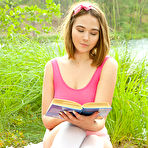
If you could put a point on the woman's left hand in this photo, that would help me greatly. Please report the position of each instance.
(84, 122)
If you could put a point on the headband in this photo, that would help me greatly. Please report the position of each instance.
(82, 6)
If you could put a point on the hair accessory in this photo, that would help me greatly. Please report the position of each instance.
(82, 6)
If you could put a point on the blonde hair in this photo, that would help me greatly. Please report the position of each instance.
(98, 53)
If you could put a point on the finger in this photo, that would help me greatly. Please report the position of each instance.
(64, 115)
(78, 116)
(69, 115)
(61, 115)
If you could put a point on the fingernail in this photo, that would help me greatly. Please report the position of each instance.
(65, 112)
(74, 112)
(60, 113)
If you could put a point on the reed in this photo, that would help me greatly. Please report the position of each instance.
(127, 121)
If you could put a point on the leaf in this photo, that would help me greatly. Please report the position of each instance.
(48, 1)
(11, 13)
(7, 7)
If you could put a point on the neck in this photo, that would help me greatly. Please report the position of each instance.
(81, 58)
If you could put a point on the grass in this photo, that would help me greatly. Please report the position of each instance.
(22, 62)
(127, 121)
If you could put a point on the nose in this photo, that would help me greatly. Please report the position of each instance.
(86, 36)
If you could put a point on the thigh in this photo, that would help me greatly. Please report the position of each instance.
(69, 136)
(96, 141)
(93, 141)
(107, 143)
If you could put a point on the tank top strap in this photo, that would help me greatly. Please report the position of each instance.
(56, 73)
(55, 67)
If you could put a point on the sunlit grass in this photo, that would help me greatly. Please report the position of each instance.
(21, 74)
(22, 62)
(127, 121)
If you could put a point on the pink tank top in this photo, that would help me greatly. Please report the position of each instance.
(83, 95)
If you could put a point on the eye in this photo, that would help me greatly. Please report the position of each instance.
(93, 33)
(80, 30)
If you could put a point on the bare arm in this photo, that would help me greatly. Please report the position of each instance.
(106, 85)
(47, 96)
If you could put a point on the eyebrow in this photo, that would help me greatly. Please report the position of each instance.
(96, 29)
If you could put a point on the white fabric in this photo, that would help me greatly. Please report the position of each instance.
(69, 136)
(93, 141)
(39, 145)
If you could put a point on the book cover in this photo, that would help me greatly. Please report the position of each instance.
(59, 105)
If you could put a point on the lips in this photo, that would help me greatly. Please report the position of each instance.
(83, 44)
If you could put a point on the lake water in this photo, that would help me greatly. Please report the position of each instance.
(139, 48)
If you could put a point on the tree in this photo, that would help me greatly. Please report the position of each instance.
(17, 19)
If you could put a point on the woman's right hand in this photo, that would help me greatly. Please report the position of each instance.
(90, 123)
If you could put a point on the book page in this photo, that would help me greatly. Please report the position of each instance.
(97, 105)
(66, 103)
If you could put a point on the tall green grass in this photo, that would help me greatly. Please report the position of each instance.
(22, 62)
(128, 119)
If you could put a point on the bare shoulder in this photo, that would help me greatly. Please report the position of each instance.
(63, 63)
(110, 68)
(48, 70)
(110, 64)
(63, 59)
(60, 60)
(48, 66)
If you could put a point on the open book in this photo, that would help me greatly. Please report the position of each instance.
(60, 105)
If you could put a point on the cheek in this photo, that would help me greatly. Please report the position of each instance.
(95, 40)
(74, 37)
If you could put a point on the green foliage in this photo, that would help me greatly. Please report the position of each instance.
(21, 73)
(17, 19)
(127, 18)
(14, 137)
(127, 121)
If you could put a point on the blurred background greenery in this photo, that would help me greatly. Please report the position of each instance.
(126, 18)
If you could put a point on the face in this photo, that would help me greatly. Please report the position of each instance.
(85, 33)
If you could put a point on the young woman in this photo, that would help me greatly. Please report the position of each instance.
(85, 74)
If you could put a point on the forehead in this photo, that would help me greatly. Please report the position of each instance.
(88, 21)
